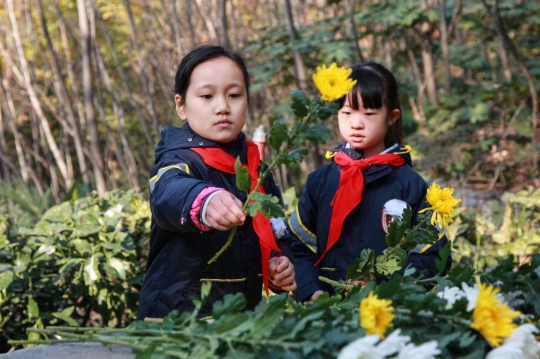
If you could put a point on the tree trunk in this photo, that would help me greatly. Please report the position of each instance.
(207, 20)
(177, 31)
(124, 80)
(63, 96)
(301, 80)
(88, 90)
(444, 48)
(350, 9)
(511, 47)
(60, 162)
(127, 162)
(142, 72)
(299, 67)
(503, 58)
(189, 16)
(10, 110)
(224, 28)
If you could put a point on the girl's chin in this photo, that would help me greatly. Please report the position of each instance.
(356, 145)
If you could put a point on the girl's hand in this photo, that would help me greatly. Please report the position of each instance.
(224, 211)
(361, 282)
(281, 271)
(316, 295)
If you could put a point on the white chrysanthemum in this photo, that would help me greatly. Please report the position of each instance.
(393, 343)
(505, 352)
(362, 348)
(472, 295)
(451, 294)
(427, 350)
(524, 335)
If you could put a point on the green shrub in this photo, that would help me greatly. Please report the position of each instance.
(81, 264)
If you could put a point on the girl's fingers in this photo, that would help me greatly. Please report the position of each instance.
(224, 211)
(289, 287)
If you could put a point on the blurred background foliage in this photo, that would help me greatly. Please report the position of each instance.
(86, 86)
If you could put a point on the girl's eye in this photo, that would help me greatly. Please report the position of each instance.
(370, 113)
(345, 112)
(235, 95)
(206, 97)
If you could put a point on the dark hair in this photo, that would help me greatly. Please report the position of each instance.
(202, 54)
(377, 86)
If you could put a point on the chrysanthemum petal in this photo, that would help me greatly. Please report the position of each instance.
(333, 82)
(376, 315)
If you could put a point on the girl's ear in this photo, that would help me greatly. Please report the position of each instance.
(394, 115)
(179, 105)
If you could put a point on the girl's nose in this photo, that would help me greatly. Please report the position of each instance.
(222, 107)
(357, 122)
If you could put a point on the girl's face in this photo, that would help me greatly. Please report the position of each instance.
(216, 100)
(365, 128)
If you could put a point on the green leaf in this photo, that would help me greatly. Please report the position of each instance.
(231, 303)
(147, 353)
(398, 227)
(32, 308)
(467, 339)
(119, 266)
(294, 156)
(243, 179)
(85, 230)
(205, 290)
(82, 246)
(268, 205)
(324, 112)
(366, 267)
(65, 315)
(278, 134)
(267, 316)
(69, 264)
(387, 265)
(91, 275)
(6, 277)
(319, 133)
(442, 260)
(300, 103)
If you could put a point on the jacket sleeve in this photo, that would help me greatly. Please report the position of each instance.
(173, 189)
(302, 225)
(423, 258)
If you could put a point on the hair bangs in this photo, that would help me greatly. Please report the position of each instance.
(369, 87)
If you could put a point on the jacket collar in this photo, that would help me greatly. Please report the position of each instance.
(175, 138)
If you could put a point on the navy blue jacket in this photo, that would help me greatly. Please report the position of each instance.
(179, 251)
(362, 229)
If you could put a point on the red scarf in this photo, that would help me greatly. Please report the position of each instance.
(222, 161)
(351, 186)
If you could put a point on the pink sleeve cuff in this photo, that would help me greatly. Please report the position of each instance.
(196, 207)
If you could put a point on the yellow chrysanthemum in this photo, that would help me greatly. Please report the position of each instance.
(491, 318)
(333, 82)
(376, 315)
(442, 203)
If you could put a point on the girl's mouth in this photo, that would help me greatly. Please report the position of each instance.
(223, 123)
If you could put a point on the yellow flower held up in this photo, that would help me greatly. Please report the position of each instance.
(333, 82)
(376, 315)
(442, 203)
(491, 318)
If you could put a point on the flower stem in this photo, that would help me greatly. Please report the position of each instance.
(271, 167)
(408, 236)
(336, 284)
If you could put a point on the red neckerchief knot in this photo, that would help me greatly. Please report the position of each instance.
(222, 161)
(351, 186)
